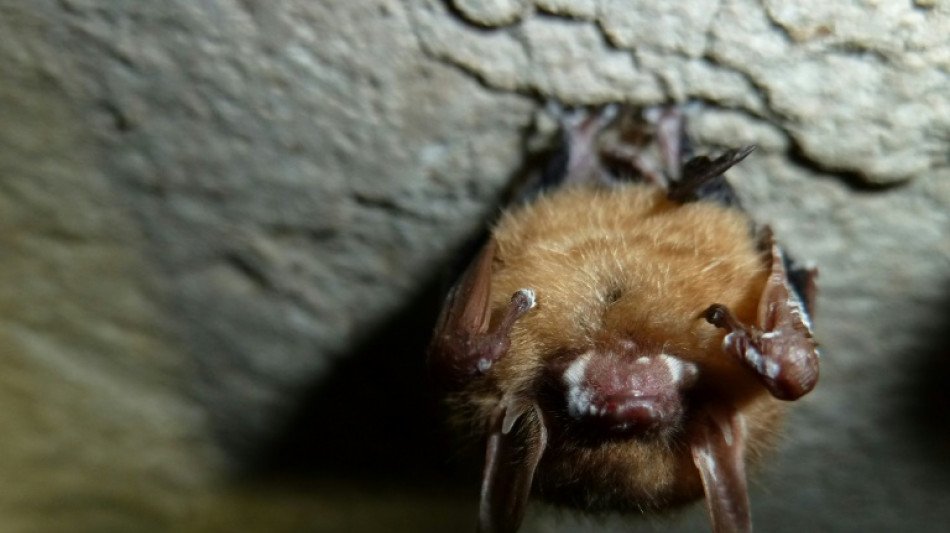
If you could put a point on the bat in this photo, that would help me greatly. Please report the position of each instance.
(628, 338)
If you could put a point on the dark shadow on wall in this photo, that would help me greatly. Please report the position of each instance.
(923, 403)
(375, 417)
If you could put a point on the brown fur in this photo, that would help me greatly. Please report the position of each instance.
(626, 263)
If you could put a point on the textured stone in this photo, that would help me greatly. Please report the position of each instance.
(858, 88)
(491, 12)
(208, 209)
(584, 9)
(557, 57)
(99, 431)
(203, 205)
(862, 92)
(674, 27)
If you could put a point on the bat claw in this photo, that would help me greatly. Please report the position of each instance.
(492, 346)
(524, 299)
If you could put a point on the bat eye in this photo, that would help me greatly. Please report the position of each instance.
(626, 394)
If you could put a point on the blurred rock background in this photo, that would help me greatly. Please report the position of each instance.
(223, 228)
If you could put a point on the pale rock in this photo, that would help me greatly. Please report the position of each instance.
(491, 12)
(208, 209)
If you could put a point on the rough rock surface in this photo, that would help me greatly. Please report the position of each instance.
(856, 88)
(208, 208)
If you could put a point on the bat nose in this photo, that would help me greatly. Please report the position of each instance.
(626, 394)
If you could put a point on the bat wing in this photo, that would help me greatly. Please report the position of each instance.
(516, 443)
(718, 451)
(780, 348)
(463, 346)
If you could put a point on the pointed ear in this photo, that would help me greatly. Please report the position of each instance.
(779, 347)
(718, 450)
(516, 443)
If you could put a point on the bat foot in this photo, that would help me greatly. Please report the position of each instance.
(613, 144)
(579, 121)
(674, 146)
(581, 129)
(651, 148)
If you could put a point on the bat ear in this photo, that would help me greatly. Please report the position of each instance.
(780, 348)
(462, 346)
(516, 443)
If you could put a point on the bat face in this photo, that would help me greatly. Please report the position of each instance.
(624, 345)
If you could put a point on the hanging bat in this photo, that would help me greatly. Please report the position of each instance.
(628, 338)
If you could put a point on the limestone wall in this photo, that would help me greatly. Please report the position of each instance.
(223, 223)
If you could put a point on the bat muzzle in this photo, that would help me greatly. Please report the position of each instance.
(625, 392)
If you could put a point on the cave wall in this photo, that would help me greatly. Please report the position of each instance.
(208, 209)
